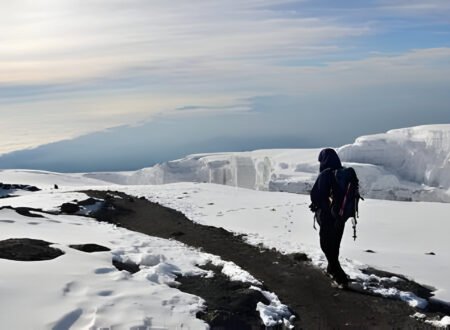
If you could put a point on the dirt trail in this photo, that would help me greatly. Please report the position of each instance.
(301, 286)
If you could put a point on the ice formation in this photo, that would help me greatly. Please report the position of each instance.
(410, 164)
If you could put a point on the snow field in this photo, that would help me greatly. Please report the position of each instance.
(80, 290)
(400, 233)
(46, 180)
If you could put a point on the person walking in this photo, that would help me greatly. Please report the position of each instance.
(324, 198)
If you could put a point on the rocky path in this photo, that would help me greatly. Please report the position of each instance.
(298, 284)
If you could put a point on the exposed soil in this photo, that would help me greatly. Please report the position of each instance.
(26, 249)
(230, 304)
(298, 284)
(90, 247)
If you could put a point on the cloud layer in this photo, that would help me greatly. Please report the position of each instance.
(72, 67)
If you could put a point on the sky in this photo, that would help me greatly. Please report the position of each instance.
(84, 83)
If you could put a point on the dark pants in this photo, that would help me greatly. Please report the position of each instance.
(331, 231)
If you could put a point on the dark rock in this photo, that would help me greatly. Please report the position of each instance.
(87, 202)
(109, 197)
(25, 249)
(26, 187)
(430, 254)
(69, 208)
(7, 196)
(128, 266)
(89, 248)
(26, 212)
(56, 186)
(369, 251)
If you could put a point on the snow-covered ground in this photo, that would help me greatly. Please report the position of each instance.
(86, 290)
(47, 180)
(400, 233)
(403, 164)
(80, 290)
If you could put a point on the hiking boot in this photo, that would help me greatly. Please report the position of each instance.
(341, 277)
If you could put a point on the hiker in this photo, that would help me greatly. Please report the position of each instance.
(329, 203)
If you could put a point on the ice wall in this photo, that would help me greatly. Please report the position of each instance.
(418, 154)
(411, 164)
(233, 169)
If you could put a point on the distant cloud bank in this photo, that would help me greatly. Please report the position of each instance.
(289, 68)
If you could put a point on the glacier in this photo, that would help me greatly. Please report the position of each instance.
(408, 164)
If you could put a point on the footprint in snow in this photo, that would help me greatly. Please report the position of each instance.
(74, 289)
(68, 320)
(105, 293)
(175, 300)
(104, 270)
(7, 221)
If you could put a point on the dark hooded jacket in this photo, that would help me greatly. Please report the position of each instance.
(320, 193)
(329, 159)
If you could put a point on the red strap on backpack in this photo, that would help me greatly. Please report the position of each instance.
(344, 201)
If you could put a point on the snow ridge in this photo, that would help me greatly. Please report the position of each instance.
(420, 155)
(409, 164)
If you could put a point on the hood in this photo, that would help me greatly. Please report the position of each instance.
(328, 158)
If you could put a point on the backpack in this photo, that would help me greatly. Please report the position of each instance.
(345, 195)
